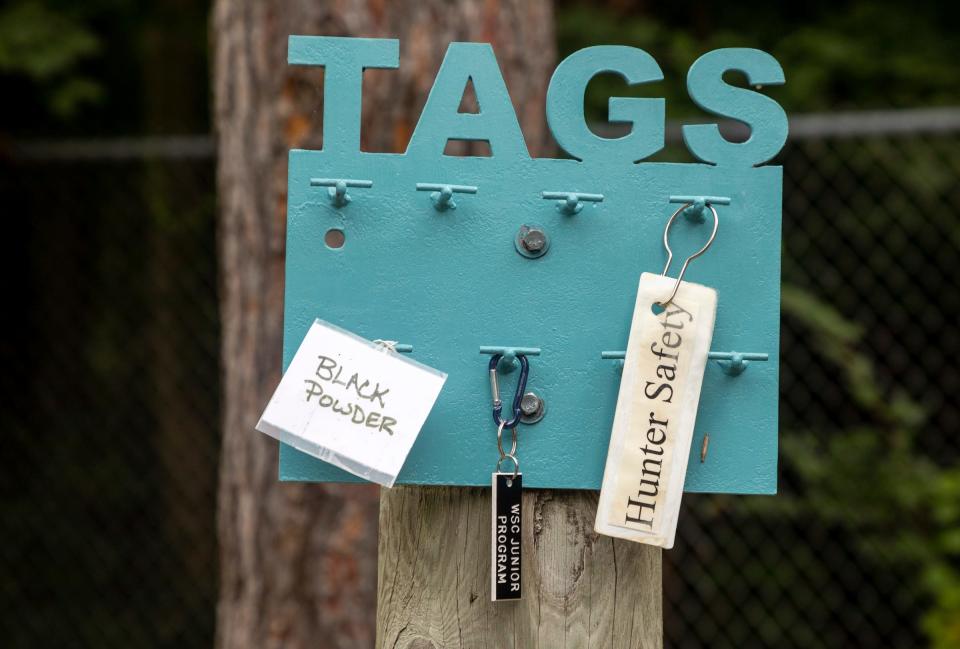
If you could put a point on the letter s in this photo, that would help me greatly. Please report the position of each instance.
(765, 117)
(656, 393)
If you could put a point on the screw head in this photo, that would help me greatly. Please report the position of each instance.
(533, 239)
(531, 408)
(530, 404)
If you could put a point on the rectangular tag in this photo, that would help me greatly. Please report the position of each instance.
(505, 545)
(656, 411)
(352, 403)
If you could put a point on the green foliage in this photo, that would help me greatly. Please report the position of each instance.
(872, 481)
(835, 55)
(868, 54)
(898, 506)
(46, 45)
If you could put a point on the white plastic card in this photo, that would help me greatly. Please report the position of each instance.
(656, 411)
(353, 403)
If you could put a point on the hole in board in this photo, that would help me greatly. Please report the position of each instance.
(334, 238)
(468, 102)
(468, 148)
(657, 308)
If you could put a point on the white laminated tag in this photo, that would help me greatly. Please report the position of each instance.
(656, 410)
(351, 402)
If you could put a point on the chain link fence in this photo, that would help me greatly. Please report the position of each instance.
(111, 403)
(851, 553)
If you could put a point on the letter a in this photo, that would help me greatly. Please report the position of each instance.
(441, 121)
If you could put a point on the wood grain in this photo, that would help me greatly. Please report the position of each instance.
(581, 590)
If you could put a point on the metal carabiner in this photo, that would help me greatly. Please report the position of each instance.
(518, 397)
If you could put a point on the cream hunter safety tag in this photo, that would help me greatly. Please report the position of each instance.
(656, 410)
(657, 406)
(351, 402)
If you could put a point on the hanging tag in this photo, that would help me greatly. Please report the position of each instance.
(352, 403)
(656, 410)
(506, 540)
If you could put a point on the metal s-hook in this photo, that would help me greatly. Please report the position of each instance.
(666, 244)
(518, 396)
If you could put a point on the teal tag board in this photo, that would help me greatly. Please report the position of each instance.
(436, 252)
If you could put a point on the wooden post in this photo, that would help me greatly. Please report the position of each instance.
(581, 590)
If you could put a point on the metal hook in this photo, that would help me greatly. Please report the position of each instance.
(570, 203)
(694, 213)
(666, 244)
(518, 397)
(508, 362)
(337, 188)
(732, 363)
(442, 195)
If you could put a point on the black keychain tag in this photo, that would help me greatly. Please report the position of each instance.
(506, 541)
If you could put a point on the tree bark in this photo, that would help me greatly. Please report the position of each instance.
(297, 561)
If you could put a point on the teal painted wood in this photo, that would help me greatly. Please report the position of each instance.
(449, 280)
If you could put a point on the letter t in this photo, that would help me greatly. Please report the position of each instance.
(344, 60)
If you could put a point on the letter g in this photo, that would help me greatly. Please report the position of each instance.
(565, 105)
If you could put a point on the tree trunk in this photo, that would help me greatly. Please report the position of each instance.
(298, 560)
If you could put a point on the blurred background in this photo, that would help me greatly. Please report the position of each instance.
(111, 391)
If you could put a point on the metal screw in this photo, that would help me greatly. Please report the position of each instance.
(530, 404)
(533, 239)
(531, 408)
